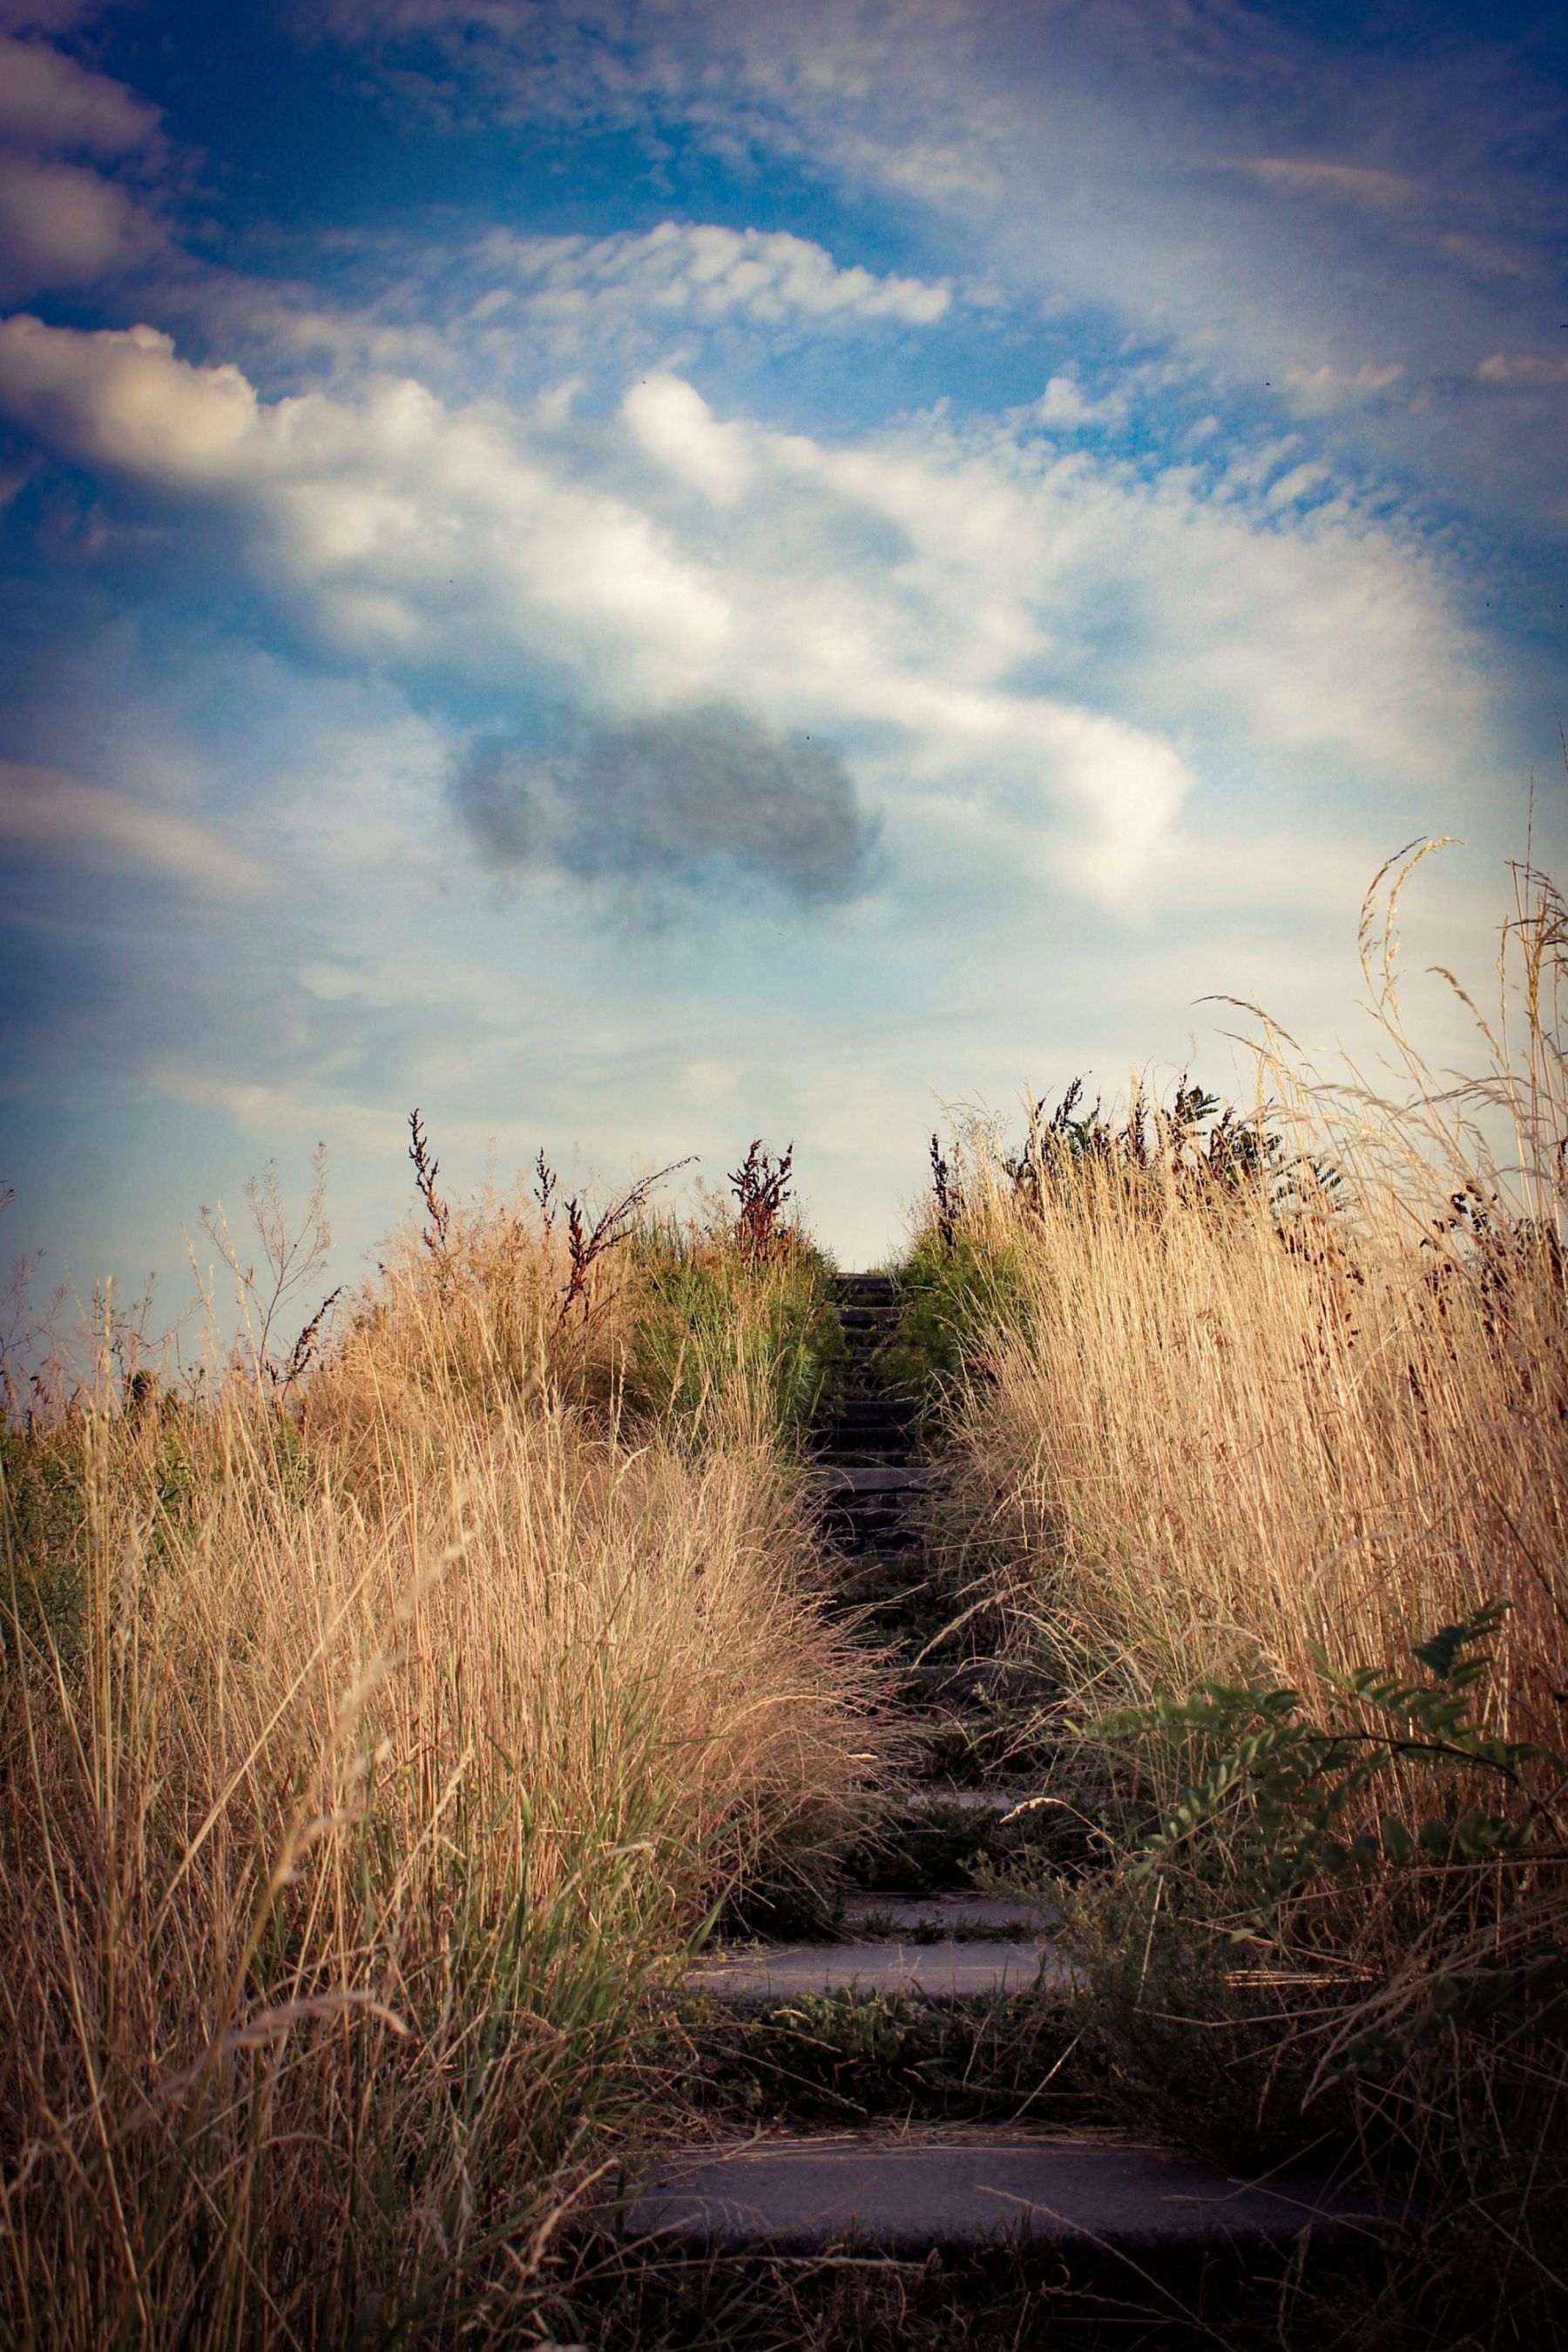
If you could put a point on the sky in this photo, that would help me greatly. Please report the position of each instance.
(645, 573)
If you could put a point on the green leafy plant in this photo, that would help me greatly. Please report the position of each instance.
(1380, 1798)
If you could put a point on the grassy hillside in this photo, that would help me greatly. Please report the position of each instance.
(388, 1712)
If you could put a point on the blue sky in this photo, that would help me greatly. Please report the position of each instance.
(637, 574)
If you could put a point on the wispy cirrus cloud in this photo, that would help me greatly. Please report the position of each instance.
(48, 813)
(1363, 184)
(1297, 214)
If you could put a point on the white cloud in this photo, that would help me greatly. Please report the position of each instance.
(407, 530)
(706, 273)
(1206, 177)
(48, 102)
(1320, 389)
(122, 401)
(44, 811)
(675, 424)
(961, 615)
(1531, 368)
(1064, 407)
(63, 226)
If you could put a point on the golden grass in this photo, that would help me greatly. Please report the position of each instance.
(1209, 1427)
(358, 1786)
(1212, 1428)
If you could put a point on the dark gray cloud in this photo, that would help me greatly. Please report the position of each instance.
(695, 799)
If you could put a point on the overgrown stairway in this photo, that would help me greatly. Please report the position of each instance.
(904, 2072)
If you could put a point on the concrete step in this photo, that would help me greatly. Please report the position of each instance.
(902, 1478)
(945, 1915)
(988, 1687)
(959, 2186)
(885, 1535)
(900, 1411)
(849, 1454)
(945, 1970)
(863, 1522)
(865, 1430)
(981, 1804)
(933, 1835)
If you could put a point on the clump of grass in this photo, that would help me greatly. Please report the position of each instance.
(734, 1333)
(372, 1742)
(503, 1299)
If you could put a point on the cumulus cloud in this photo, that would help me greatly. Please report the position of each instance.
(1065, 406)
(48, 101)
(392, 525)
(978, 618)
(1320, 389)
(62, 225)
(698, 800)
(121, 400)
(675, 424)
(705, 272)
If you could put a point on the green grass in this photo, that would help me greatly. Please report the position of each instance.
(724, 1341)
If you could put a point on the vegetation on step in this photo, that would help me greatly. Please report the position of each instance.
(845, 2056)
(1395, 1871)
(933, 1840)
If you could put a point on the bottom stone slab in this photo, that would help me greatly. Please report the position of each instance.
(943, 1970)
(806, 2196)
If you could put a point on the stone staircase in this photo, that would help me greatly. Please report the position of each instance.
(984, 2139)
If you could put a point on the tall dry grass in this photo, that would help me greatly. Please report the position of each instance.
(373, 1744)
(1213, 1419)
(1237, 1410)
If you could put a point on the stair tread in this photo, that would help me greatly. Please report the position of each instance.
(907, 1912)
(878, 1480)
(957, 2185)
(942, 1796)
(863, 1459)
(946, 1971)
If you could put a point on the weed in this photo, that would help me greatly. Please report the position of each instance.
(762, 1189)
